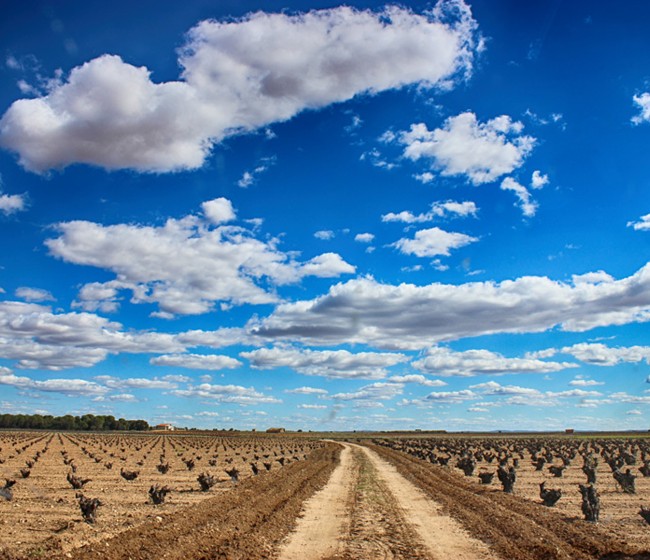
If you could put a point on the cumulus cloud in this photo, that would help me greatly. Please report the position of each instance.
(364, 237)
(601, 355)
(438, 210)
(417, 379)
(237, 76)
(219, 210)
(76, 387)
(307, 391)
(643, 224)
(37, 338)
(33, 294)
(326, 363)
(493, 388)
(312, 406)
(526, 203)
(235, 394)
(445, 362)
(11, 203)
(374, 392)
(538, 180)
(364, 311)
(324, 234)
(580, 381)
(212, 263)
(643, 105)
(138, 382)
(481, 152)
(210, 362)
(432, 242)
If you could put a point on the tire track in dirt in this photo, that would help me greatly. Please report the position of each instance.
(515, 528)
(441, 535)
(325, 517)
(386, 516)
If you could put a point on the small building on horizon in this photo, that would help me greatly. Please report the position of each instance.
(275, 431)
(164, 427)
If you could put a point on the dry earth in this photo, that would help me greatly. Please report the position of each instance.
(349, 502)
(369, 511)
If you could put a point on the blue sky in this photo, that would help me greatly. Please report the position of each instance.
(242, 214)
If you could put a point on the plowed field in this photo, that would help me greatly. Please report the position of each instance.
(334, 501)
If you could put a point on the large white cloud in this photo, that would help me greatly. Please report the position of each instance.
(326, 363)
(210, 263)
(235, 394)
(601, 355)
(407, 316)
(433, 241)
(37, 338)
(237, 76)
(445, 362)
(481, 152)
(74, 387)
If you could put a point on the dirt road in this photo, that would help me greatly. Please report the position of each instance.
(369, 511)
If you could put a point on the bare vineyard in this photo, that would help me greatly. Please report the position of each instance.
(605, 480)
(59, 491)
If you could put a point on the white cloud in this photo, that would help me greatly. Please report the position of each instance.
(218, 211)
(238, 76)
(10, 203)
(324, 234)
(482, 152)
(364, 237)
(75, 387)
(492, 388)
(581, 382)
(39, 339)
(445, 362)
(364, 311)
(538, 180)
(417, 379)
(122, 397)
(136, 382)
(235, 394)
(424, 178)
(432, 242)
(307, 391)
(373, 392)
(250, 177)
(312, 406)
(643, 103)
(526, 203)
(438, 210)
(601, 355)
(211, 263)
(326, 363)
(643, 224)
(445, 397)
(34, 294)
(210, 362)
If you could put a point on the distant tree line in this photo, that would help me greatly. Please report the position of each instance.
(68, 422)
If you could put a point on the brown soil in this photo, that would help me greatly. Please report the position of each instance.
(362, 503)
(247, 523)
(515, 528)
